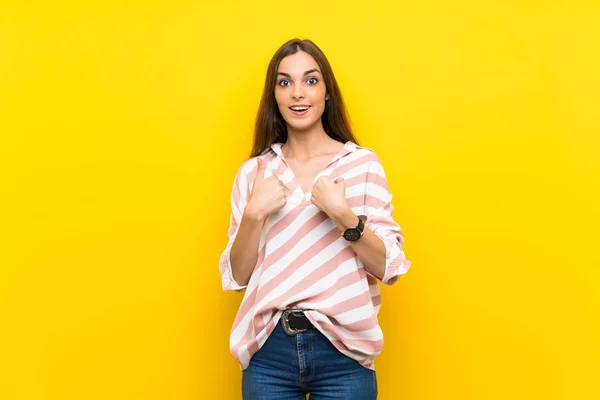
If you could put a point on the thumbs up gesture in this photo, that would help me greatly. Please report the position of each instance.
(267, 195)
(330, 196)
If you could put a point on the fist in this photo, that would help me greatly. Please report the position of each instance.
(330, 196)
(267, 196)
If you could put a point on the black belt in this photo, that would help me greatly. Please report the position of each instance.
(294, 322)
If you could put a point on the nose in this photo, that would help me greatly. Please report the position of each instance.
(297, 92)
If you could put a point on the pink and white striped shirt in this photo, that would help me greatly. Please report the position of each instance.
(303, 262)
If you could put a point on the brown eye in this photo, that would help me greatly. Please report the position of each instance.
(283, 83)
(313, 81)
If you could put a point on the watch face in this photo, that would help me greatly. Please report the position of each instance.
(352, 234)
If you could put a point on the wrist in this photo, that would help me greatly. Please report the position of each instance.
(253, 214)
(346, 220)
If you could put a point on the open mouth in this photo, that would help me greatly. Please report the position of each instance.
(300, 110)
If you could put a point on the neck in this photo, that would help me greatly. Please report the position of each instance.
(303, 145)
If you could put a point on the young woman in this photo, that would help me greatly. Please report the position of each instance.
(311, 235)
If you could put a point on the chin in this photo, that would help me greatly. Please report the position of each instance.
(301, 127)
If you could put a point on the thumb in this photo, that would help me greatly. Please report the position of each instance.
(339, 180)
(260, 169)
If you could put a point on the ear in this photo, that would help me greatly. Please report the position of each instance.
(326, 96)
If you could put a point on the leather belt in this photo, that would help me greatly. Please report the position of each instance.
(294, 321)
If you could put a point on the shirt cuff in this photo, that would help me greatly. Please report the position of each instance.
(227, 280)
(395, 262)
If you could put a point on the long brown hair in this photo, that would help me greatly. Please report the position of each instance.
(270, 127)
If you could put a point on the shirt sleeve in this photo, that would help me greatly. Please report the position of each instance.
(378, 208)
(239, 199)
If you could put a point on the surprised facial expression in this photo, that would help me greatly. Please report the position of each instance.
(300, 91)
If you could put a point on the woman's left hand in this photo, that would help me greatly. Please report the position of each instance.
(330, 196)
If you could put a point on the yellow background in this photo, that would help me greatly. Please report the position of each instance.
(123, 123)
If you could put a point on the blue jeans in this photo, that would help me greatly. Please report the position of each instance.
(288, 367)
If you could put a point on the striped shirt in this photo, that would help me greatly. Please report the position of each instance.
(303, 261)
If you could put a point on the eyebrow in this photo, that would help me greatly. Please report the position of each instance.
(310, 71)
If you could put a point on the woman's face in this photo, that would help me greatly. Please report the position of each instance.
(300, 91)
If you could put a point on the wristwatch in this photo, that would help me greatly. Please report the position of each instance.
(353, 234)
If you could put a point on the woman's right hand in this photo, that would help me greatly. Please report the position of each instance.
(267, 195)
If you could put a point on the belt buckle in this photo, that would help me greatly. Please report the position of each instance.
(285, 322)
